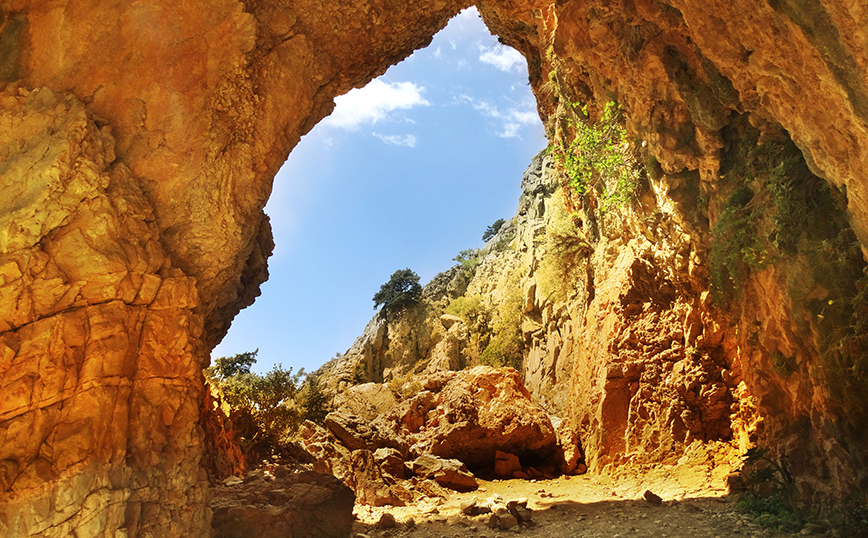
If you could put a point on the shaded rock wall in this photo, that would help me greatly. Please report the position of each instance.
(139, 142)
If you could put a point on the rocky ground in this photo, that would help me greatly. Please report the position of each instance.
(577, 506)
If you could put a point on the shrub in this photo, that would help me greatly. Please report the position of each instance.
(401, 290)
(506, 347)
(777, 209)
(565, 249)
(469, 260)
(313, 401)
(264, 410)
(467, 308)
(492, 230)
(770, 491)
(600, 155)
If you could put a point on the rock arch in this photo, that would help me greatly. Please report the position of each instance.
(138, 146)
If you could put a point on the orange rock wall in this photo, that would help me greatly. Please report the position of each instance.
(139, 141)
(688, 74)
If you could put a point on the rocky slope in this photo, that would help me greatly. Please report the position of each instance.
(139, 143)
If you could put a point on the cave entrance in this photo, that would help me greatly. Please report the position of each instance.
(406, 172)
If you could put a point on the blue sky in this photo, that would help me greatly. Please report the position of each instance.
(406, 172)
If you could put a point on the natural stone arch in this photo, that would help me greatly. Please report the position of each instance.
(140, 141)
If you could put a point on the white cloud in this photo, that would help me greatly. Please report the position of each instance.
(398, 140)
(504, 58)
(469, 16)
(437, 52)
(513, 119)
(373, 103)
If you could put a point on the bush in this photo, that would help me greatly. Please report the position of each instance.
(469, 260)
(600, 156)
(565, 249)
(313, 401)
(466, 308)
(770, 491)
(777, 209)
(401, 290)
(264, 410)
(506, 347)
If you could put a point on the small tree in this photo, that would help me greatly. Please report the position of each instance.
(226, 367)
(314, 401)
(401, 290)
(492, 230)
(263, 406)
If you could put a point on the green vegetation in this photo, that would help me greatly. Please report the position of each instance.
(405, 387)
(777, 208)
(565, 249)
(264, 410)
(475, 315)
(313, 401)
(841, 321)
(770, 498)
(467, 308)
(770, 492)
(225, 367)
(781, 213)
(492, 230)
(469, 260)
(506, 346)
(600, 156)
(401, 290)
(782, 364)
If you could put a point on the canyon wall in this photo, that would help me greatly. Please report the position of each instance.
(140, 140)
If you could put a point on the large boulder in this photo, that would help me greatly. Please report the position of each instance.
(450, 474)
(370, 484)
(481, 411)
(300, 505)
(357, 433)
(368, 400)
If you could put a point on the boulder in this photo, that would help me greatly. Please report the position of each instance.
(329, 456)
(506, 464)
(371, 487)
(390, 462)
(368, 401)
(449, 473)
(412, 413)
(300, 505)
(483, 410)
(448, 320)
(356, 433)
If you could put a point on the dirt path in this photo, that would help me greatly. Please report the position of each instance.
(579, 506)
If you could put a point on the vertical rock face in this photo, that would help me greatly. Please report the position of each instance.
(137, 146)
(101, 347)
(138, 143)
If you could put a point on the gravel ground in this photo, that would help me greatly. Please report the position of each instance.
(579, 506)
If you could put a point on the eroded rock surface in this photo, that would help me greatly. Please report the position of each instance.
(295, 505)
(462, 421)
(137, 149)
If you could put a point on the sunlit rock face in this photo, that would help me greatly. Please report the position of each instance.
(138, 145)
(703, 85)
(139, 141)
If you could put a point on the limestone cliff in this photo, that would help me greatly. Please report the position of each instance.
(140, 140)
